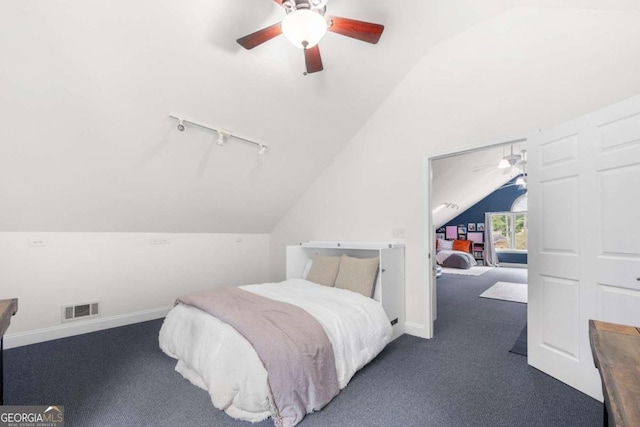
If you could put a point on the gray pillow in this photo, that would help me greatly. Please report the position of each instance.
(457, 261)
(324, 270)
(358, 274)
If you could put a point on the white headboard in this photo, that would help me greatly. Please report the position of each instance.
(389, 289)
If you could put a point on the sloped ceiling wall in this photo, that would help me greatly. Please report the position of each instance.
(87, 87)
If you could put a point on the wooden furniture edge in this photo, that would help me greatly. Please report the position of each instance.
(619, 398)
(8, 307)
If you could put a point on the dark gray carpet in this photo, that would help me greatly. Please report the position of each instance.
(520, 346)
(465, 376)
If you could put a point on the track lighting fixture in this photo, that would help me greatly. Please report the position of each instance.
(223, 134)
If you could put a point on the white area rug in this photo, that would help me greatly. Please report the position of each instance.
(507, 291)
(476, 270)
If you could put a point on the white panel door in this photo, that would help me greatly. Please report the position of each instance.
(584, 241)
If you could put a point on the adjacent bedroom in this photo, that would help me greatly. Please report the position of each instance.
(315, 212)
(480, 210)
(480, 225)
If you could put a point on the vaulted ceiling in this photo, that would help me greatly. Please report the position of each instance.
(87, 87)
(462, 180)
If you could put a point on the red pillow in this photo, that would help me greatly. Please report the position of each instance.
(462, 245)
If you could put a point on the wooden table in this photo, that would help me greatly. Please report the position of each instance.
(616, 353)
(8, 307)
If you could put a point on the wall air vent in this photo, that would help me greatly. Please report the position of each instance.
(80, 311)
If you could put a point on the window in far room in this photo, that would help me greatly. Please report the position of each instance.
(520, 204)
(510, 228)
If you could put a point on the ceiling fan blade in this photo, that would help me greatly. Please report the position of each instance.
(255, 39)
(313, 60)
(365, 31)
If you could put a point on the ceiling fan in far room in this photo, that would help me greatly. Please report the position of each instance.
(305, 23)
(506, 164)
(521, 180)
(510, 159)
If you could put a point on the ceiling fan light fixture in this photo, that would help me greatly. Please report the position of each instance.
(509, 160)
(504, 163)
(304, 28)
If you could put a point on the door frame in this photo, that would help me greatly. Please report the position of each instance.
(429, 295)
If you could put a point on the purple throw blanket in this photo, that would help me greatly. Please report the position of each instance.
(291, 344)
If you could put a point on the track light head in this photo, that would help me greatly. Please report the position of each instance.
(181, 125)
(262, 150)
(223, 135)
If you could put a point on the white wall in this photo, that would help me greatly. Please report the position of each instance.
(132, 279)
(86, 88)
(525, 69)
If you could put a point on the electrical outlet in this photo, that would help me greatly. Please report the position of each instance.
(37, 243)
(398, 233)
(159, 241)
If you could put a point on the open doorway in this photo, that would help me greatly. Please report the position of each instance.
(478, 233)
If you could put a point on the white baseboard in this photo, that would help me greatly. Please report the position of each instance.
(81, 327)
(513, 265)
(415, 329)
(97, 324)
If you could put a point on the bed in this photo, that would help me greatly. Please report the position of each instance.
(214, 356)
(455, 254)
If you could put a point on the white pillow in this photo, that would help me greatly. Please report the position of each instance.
(324, 270)
(446, 245)
(307, 267)
(358, 274)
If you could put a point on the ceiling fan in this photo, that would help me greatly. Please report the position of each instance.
(521, 180)
(508, 162)
(305, 24)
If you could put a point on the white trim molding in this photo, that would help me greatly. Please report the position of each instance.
(513, 265)
(429, 293)
(93, 325)
(415, 329)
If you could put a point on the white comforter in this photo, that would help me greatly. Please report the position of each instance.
(215, 357)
